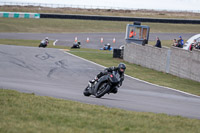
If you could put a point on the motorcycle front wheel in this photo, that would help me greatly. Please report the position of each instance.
(102, 90)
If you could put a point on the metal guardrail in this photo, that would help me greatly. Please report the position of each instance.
(84, 6)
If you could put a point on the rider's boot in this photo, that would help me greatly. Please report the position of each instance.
(91, 82)
(114, 91)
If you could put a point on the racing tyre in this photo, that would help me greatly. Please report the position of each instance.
(102, 90)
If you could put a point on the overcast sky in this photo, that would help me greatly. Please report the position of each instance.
(135, 4)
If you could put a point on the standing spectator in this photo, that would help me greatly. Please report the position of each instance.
(197, 46)
(144, 41)
(131, 34)
(158, 43)
(175, 44)
(180, 42)
(193, 45)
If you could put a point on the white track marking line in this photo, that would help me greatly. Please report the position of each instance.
(135, 78)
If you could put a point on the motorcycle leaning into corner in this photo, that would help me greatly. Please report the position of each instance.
(44, 43)
(108, 83)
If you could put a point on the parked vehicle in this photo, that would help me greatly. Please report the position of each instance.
(189, 42)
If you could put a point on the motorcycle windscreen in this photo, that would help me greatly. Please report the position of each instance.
(116, 77)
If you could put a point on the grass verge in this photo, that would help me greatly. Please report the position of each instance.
(20, 112)
(104, 12)
(76, 26)
(105, 58)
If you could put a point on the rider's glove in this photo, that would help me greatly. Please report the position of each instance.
(106, 73)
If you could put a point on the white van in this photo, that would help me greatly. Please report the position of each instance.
(189, 42)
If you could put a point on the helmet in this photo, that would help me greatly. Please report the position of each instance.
(46, 38)
(121, 67)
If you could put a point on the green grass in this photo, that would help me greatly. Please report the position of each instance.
(76, 26)
(23, 113)
(104, 12)
(105, 58)
(59, 25)
(31, 43)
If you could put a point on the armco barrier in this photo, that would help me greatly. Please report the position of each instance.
(111, 18)
(176, 61)
(19, 15)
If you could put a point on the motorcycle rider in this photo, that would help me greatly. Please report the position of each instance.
(44, 42)
(120, 70)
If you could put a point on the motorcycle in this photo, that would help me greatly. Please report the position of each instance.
(43, 44)
(76, 45)
(103, 85)
(106, 47)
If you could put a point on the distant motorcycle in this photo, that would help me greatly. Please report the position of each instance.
(76, 45)
(102, 86)
(43, 43)
(106, 47)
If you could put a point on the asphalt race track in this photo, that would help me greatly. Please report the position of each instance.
(67, 39)
(52, 72)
